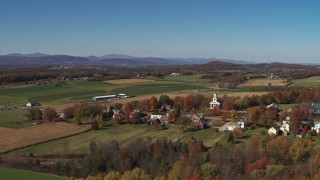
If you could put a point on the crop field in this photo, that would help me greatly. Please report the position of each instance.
(307, 82)
(17, 138)
(265, 82)
(155, 87)
(69, 92)
(122, 133)
(76, 91)
(13, 119)
(17, 174)
(128, 81)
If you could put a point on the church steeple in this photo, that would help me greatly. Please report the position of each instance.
(214, 101)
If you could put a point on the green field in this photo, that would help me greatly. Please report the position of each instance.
(182, 78)
(307, 82)
(122, 133)
(75, 91)
(15, 174)
(13, 119)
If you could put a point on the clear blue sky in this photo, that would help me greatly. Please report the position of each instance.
(260, 30)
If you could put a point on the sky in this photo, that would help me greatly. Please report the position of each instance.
(252, 30)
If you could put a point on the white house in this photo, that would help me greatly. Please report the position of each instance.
(214, 101)
(274, 130)
(232, 126)
(229, 126)
(29, 104)
(316, 127)
(285, 126)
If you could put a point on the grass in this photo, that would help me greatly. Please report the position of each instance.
(155, 88)
(75, 91)
(122, 133)
(307, 82)
(50, 93)
(182, 78)
(6, 173)
(13, 119)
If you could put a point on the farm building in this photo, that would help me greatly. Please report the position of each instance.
(97, 98)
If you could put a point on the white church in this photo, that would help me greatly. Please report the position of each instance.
(214, 101)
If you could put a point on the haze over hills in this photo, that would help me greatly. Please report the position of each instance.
(40, 59)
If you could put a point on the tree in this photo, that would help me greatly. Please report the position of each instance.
(297, 115)
(153, 103)
(136, 174)
(128, 108)
(34, 114)
(227, 104)
(188, 102)
(118, 106)
(68, 112)
(99, 121)
(49, 114)
(225, 116)
(233, 115)
(164, 100)
(144, 105)
(300, 150)
(209, 170)
(112, 175)
(253, 115)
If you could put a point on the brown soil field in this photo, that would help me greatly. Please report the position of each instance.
(265, 82)
(12, 139)
(128, 81)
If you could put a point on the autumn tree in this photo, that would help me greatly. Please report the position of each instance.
(49, 114)
(136, 174)
(188, 103)
(34, 114)
(144, 105)
(297, 115)
(99, 121)
(68, 112)
(153, 103)
(300, 150)
(227, 104)
(225, 116)
(253, 115)
(128, 108)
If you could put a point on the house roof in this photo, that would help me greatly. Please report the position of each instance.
(276, 127)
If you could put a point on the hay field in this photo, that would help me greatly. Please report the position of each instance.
(128, 81)
(265, 82)
(12, 139)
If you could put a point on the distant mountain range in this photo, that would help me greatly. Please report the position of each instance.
(119, 60)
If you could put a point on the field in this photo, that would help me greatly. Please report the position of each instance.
(265, 82)
(128, 81)
(124, 134)
(17, 138)
(16, 174)
(13, 119)
(307, 82)
(76, 91)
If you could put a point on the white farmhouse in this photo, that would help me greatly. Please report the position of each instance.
(316, 127)
(285, 126)
(274, 130)
(214, 101)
